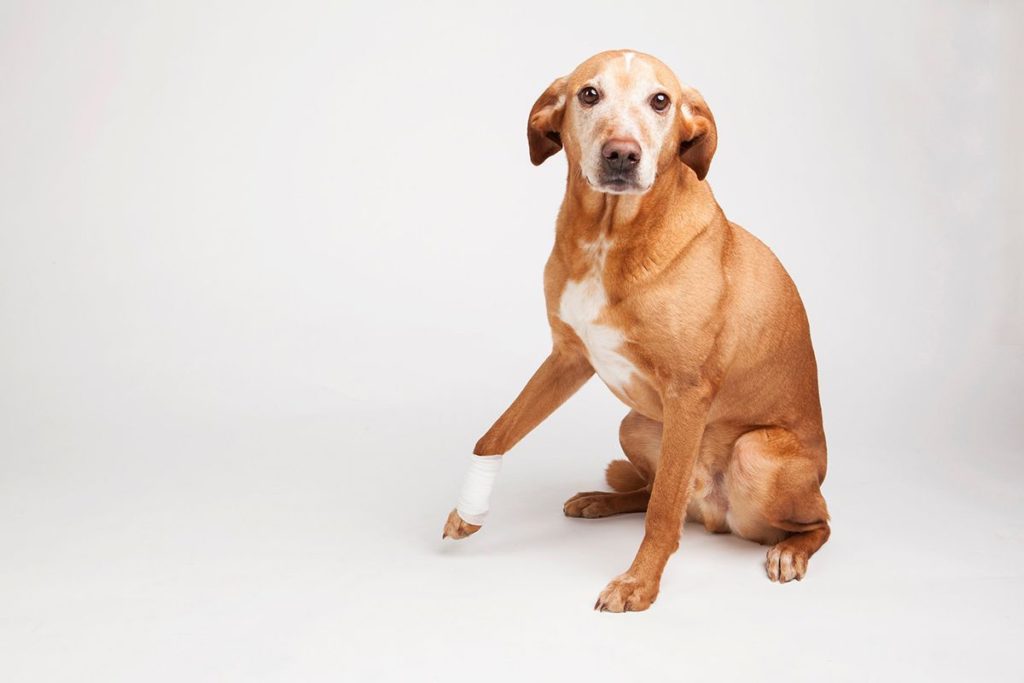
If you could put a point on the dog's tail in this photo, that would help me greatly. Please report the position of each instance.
(622, 476)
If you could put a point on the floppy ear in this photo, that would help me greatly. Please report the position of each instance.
(698, 136)
(543, 129)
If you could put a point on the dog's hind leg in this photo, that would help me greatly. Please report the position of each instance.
(640, 438)
(773, 485)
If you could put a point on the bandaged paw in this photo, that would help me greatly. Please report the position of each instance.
(475, 496)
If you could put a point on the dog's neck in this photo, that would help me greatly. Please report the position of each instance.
(646, 230)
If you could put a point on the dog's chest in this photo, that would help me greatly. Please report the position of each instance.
(582, 305)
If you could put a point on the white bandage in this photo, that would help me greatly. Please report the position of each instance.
(475, 497)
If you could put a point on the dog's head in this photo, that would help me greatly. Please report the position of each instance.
(622, 117)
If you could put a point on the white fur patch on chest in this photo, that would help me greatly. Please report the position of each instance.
(581, 305)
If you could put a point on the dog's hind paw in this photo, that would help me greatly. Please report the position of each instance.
(785, 563)
(594, 504)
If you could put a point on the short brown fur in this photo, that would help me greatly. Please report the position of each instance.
(725, 422)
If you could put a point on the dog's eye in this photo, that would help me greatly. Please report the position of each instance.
(589, 96)
(660, 102)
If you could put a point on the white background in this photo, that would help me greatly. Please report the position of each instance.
(268, 271)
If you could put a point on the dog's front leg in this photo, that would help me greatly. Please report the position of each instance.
(685, 413)
(558, 378)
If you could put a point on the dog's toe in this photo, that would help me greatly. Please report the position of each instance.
(626, 593)
(590, 505)
(455, 527)
(594, 504)
(785, 563)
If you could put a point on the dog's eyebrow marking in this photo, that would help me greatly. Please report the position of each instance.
(629, 60)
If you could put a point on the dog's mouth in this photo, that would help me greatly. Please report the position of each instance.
(618, 183)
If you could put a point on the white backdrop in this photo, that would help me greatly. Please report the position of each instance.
(268, 271)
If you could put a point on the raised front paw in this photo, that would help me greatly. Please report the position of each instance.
(455, 527)
(627, 593)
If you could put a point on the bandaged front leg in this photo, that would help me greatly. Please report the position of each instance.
(474, 498)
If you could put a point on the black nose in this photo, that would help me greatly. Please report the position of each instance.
(621, 155)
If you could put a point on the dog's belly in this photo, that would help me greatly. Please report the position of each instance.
(581, 307)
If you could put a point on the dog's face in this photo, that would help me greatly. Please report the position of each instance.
(621, 117)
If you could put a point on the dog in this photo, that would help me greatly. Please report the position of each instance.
(689, 320)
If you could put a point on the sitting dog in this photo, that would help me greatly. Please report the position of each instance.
(690, 321)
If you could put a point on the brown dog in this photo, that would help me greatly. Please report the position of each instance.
(689, 319)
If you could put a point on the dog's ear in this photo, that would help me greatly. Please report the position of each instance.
(698, 136)
(544, 127)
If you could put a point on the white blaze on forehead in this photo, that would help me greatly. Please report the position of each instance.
(582, 303)
(628, 57)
